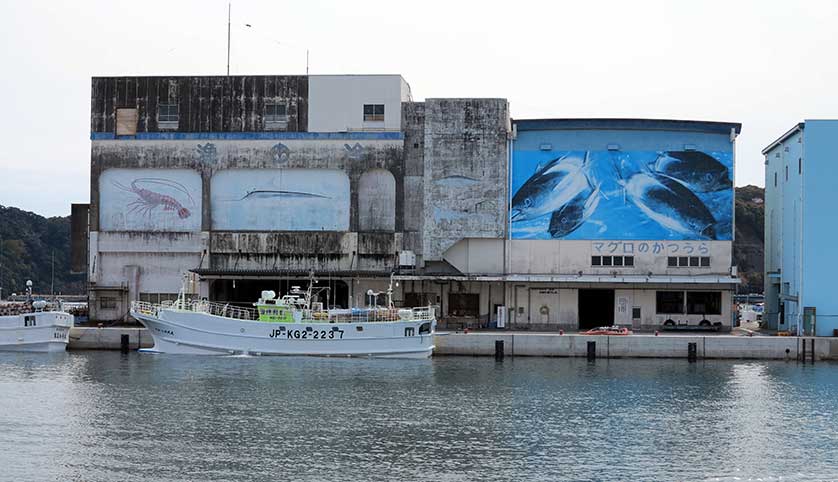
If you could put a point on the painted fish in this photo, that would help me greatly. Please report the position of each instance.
(551, 187)
(671, 204)
(267, 194)
(697, 170)
(573, 214)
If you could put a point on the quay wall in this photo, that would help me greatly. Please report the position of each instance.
(93, 338)
(635, 346)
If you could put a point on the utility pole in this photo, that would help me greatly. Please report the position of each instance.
(228, 38)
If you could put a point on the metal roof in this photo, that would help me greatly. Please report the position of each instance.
(277, 273)
(627, 124)
(782, 138)
(572, 278)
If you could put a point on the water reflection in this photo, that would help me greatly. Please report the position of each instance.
(106, 416)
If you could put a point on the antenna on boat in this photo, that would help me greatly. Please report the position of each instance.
(390, 291)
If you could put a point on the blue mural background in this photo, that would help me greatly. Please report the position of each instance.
(622, 195)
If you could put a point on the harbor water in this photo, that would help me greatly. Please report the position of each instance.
(98, 416)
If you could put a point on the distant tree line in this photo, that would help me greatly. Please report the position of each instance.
(27, 244)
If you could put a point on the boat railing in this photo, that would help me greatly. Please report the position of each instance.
(352, 315)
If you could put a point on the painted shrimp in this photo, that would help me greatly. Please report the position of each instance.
(148, 200)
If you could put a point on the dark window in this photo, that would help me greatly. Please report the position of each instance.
(800, 165)
(683, 261)
(670, 302)
(629, 261)
(775, 179)
(276, 111)
(618, 260)
(373, 112)
(107, 303)
(704, 302)
(596, 260)
(463, 304)
(635, 313)
(606, 260)
(168, 113)
(693, 260)
(705, 261)
(787, 173)
(672, 262)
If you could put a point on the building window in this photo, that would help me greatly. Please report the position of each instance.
(683, 261)
(596, 260)
(628, 261)
(618, 260)
(693, 261)
(612, 260)
(705, 261)
(800, 165)
(126, 122)
(704, 303)
(167, 116)
(670, 302)
(276, 114)
(787, 173)
(672, 262)
(373, 112)
(606, 260)
(107, 303)
(775, 179)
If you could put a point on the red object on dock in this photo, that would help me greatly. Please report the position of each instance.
(608, 330)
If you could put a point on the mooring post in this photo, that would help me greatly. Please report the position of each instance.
(803, 350)
(123, 343)
(692, 352)
(499, 350)
(591, 350)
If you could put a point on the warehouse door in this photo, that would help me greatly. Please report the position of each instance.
(596, 308)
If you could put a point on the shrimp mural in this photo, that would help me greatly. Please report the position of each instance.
(150, 200)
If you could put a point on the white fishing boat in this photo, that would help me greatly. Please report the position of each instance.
(37, 330)
(290, 325)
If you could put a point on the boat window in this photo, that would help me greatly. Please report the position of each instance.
(359, 328)
(424, 328)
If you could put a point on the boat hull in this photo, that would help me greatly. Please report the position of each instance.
(47, 331)
(187, 332)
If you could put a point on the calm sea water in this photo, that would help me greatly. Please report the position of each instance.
(105, 416)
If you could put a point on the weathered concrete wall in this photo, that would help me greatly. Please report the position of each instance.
(634, 346)
(413, 128)
(89, 338)
(465, 154)
(232, 103)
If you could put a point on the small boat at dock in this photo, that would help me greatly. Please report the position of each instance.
(289, 325)
(34, 326)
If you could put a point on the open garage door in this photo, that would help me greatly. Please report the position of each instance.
(596, 308)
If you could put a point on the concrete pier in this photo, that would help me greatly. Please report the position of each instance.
(550, 344)
(93, 338)
(635, 346)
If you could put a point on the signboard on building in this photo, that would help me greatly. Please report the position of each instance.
(621, 195)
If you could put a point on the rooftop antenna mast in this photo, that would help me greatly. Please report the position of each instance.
(228, 38)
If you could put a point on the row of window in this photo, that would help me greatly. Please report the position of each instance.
(276, 112)
(688, 261)
(612, 260)
(689, 302)
(672, 261)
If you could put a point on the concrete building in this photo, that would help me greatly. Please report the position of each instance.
(800, 180)
(251, 182)
(609, 221)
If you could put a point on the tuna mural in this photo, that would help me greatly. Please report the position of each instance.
(150, 200)
(634, 195)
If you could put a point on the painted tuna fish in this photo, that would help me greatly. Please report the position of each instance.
(697, 170)
(573, 214)
(551, 187)
(671, 204)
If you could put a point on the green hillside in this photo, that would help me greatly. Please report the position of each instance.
(749, 244)
(28, 243)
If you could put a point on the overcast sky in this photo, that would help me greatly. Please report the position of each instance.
(766, 64)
